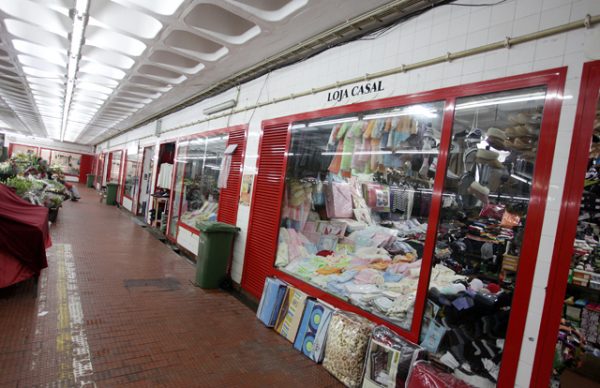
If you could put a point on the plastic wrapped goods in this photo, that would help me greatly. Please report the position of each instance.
(389, 359)
(346, 345)
(270, 302)
(312, 333)
(425, 375)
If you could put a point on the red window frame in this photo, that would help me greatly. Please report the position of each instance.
(554, 80)
(583, 130)
(214, 132)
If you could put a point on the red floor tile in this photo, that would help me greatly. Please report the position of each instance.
(143, 323)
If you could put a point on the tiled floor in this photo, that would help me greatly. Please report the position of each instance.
(116, 307)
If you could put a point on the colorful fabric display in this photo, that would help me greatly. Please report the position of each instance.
(389, 359)
(312, 333)
(270, 302)
(338, 199)
(347, 341)
(290, 313)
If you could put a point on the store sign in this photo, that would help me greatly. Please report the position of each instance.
(358, 90)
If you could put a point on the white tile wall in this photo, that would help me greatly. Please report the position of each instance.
(447, 28)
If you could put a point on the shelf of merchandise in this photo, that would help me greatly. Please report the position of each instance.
(568, 219)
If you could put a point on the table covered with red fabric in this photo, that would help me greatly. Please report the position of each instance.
(24, 237)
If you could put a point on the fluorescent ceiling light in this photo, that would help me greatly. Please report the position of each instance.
(220, 107)
(80, 16)
(520, 179)
(298, 126)
(502, 100)
(334, 121)
(415, 110)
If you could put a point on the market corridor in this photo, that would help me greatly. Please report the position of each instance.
(116, 307)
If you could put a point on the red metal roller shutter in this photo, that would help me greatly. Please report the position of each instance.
(229, 198)
(261, 243)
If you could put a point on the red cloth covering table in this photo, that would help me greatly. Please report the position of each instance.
(24, 237)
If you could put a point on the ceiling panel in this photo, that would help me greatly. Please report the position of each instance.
(138, 57)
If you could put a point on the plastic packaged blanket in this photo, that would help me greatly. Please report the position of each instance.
(389, 359)
(347, 341)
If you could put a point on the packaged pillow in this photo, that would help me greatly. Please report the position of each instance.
(347, 340)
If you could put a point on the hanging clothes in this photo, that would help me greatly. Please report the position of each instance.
(340, 133)
(350, 137)
(376, 135)
(165, 175)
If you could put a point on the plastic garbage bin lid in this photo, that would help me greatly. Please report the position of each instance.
(214, 226)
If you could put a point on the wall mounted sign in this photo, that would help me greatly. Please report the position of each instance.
(358, 90)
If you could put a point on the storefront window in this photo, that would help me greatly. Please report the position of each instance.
(45, 154)
(578, 347)
(131, 175)
(115, 167)
(68, 162)
(23, 149)
(198, 167)
(356, 205)
(480, 231)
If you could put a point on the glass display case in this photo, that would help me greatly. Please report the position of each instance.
(196, 195)
(356, 204)
(131, 176)
(115, 166)
(68, 162)
(480, 231)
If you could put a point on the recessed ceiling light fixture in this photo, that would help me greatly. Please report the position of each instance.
(80, 18)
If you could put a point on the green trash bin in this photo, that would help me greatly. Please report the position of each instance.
(90, 180)
(214, 251)
(111, 193)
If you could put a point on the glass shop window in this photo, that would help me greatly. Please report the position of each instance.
(115, 167)
(198, 166)
(68, 162)
(131, 175)
(578, 343)
(356, 204)
(480, 231)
